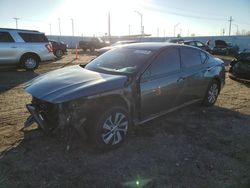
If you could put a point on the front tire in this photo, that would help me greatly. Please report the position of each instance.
(212, 93)
(110, 129)
(30, 62)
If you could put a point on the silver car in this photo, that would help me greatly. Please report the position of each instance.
(24, 48)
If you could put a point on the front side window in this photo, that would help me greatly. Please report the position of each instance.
(6, 37)
(32, 37)
(167, 62)
(190, 57)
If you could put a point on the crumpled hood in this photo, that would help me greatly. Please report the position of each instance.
(71, 83)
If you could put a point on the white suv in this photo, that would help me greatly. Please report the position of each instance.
(24, 48)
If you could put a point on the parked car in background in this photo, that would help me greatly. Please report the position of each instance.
(175, 40)
(123, 87)
(240, 66)
(94, 43)
(115, 45)
(197, 44)
(24, 48)
(224, 48)
(59, 48)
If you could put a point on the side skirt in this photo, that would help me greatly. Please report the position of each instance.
(166, 112)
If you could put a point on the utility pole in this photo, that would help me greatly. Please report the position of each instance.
(15, 18)
(230, 24)
(129, 30)
(157, 31)
(59, 25)
(72, 23)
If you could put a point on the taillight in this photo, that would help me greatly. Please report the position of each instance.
(49, 47)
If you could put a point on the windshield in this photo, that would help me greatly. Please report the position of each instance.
(120, 60)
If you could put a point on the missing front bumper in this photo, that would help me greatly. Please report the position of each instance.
(34, 117)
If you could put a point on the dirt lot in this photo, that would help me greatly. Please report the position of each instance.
(196, 147)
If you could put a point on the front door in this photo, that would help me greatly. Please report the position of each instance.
(161, 83)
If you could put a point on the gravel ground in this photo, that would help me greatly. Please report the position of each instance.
(194, 147)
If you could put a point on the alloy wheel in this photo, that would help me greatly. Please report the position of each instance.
(30, 63)
(213, 93)
(115, 128)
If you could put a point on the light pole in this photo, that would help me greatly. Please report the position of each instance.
(109, 32)
(140, 14)
(15, 18)
(175, 26)
(59, 25)
(230, 23)
(72, 23)
(50, 29)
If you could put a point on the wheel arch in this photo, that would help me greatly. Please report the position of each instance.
(109, 100)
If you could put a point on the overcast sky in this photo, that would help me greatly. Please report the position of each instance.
(200, 17)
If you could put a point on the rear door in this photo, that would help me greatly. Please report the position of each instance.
(160, 84)
(8, 48)
(193, 63)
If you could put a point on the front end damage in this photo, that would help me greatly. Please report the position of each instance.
(54, 117)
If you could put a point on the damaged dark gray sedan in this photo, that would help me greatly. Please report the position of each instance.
(123, 87)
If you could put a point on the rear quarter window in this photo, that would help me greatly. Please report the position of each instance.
(31, 37)
(190, 57)
(6, 37)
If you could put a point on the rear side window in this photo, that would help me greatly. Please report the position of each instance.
(190, 57)
(6, 37)
(31, 37)
(168, 61)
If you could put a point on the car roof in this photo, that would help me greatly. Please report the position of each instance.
(150, 45)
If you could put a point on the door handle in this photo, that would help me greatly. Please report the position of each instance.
(13, 46)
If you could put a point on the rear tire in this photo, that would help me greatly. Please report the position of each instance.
(59, 53)
(110, 129)
(212, 93)
(30, 62)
